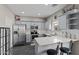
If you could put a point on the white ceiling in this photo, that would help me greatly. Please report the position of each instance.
(34, 10)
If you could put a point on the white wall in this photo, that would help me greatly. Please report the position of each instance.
(52, 21)
(32, 21)
(48, 24)
(6, 19)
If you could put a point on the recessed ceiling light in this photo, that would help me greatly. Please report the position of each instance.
(38, 13)
(22, 12)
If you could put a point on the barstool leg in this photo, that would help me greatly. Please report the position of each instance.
(61, 53)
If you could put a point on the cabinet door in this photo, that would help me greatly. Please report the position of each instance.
(29, 39)
(42, 26)
(0, 41)
(62, 22)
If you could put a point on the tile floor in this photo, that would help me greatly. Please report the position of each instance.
(23, 50)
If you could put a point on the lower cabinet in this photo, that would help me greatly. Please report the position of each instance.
(28, 38)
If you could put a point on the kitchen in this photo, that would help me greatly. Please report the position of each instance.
(42, 29)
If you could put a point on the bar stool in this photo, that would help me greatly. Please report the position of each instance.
(65, 49)
(53, 51)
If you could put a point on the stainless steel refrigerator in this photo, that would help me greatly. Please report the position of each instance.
(19, 34)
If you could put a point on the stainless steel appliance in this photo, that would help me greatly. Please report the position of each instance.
(19, 34)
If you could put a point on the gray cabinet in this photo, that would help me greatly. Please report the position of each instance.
(73, 20)
(62, 22)
(29, 39)
(69, 20)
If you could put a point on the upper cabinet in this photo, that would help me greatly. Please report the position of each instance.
(73, 20)
(69, 20)
(62, 22)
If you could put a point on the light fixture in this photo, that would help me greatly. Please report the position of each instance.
(39, 14)
(22, 12)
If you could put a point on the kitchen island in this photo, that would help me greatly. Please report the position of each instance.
(42, 44)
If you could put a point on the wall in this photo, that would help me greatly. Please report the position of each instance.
(6, 19)
(48, 24)
(53, 21)
(32, 21)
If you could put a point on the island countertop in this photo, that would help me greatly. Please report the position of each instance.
(51, 40)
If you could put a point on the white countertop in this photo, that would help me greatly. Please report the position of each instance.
(51, 40)
(40, 32)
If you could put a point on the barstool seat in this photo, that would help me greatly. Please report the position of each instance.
(52, 52)
(65, 50)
